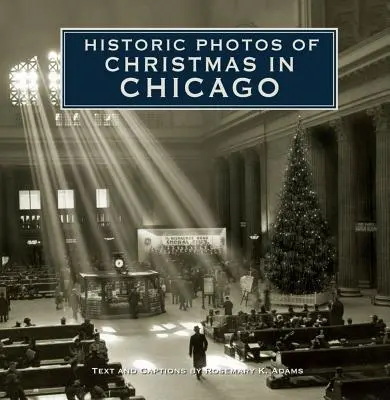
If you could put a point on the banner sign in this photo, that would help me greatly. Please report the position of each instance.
(200, 69)
(365, 227)
(246, 283)
(185, 240)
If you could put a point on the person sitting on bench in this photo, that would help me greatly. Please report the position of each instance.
(375, 341)
(14, 386)
(287, 341)
(31, 358)
(264, 323)
(337, 376)
(17, 324)
(74, 388)
(381, 324)
(295, 322)
(374, 319)
(252, 319)
(98, 393)
(273, 316)
(86, 329)
(27, 322)
(99, 346)
(315, 344)
(76, 351)
(3, 358)
(279, 321)
(94, 382)
(280, 346)
(386, 336)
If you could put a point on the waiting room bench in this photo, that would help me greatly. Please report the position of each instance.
(47, 380)
(322, 363)
(360, 389)
(53, 352)
(359, 333)
(223, 324)
(46, 332)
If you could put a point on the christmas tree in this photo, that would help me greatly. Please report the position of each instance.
(302, 253)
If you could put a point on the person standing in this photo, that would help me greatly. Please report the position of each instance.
(336, 312)
(182, 294)
(197, 350)
(73, 388)
(3, 308)
(13, 383)
(162, 299)
(74, 303)
(133, 303)
(228, 306)
(59, 298)
(188, 292)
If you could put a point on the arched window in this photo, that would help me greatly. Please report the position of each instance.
(24, 83)
(23, 80)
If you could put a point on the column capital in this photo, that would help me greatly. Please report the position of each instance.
(381, 117)
(342, 127)
(220, 160)
(259, 147)
(250, 155)
(234, 157)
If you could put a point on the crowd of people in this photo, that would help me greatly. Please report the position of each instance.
(184, 259)
(253, 321)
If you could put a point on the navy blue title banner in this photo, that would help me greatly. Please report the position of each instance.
(199, 69)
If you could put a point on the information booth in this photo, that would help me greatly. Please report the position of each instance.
(105, 295)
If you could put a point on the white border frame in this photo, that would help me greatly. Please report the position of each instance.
(334, 31)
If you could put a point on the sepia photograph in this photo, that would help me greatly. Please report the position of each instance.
(195, 199)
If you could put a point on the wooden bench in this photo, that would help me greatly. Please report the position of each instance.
(53, 352)
(322, 363)
(44, 288)
(327, 360)
(47, 332)
(357, 333)
(223, 324)
(34, 289)
(52, 379)
(359, 389)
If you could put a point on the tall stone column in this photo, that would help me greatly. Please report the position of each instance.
(12, 222)
(2, 212)
(222, 192)
(381, 117)
(235, 206)
(363, 213)
(317, 159)
(347, 179)
(263, 196)
(252, 201)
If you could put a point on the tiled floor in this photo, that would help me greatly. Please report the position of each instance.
(162, 342)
